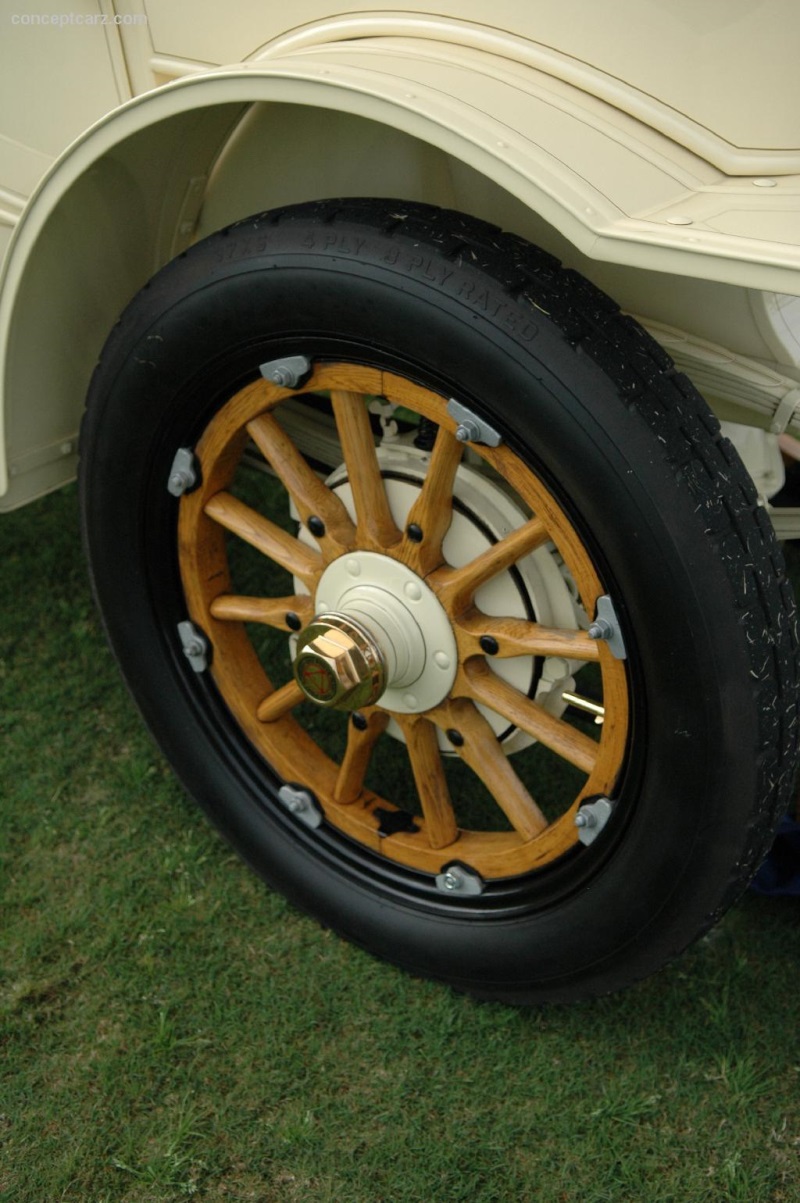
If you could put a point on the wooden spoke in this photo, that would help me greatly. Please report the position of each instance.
(264, 535)
(311, 496)
(279, 703)
(376, 529)
(456, 586)
(432, 512)
(426, 763)
(486, 687)
(518, 637)
(290, 737)
(271, 611)
(484, 755)
(360, 744)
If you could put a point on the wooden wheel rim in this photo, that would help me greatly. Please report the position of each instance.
(264, 710)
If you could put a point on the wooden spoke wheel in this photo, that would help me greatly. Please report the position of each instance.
(443, 594)
(417, 597)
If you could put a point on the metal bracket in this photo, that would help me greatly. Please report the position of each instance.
(470, 428)
(606, 626)
(786, 411)
(592, 818)
(301, 803)
(288, 372)
(383, 411)
(184, 473)
(461, 881)
(195, 646)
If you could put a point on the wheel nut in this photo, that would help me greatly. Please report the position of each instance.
(601, 628)
(468, 431)
(339, 663)
(179, 483)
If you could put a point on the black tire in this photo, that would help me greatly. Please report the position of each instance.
(592, 407)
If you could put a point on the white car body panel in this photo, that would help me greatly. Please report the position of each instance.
(657, 150)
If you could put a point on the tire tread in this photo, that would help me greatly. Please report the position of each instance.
(695, 449)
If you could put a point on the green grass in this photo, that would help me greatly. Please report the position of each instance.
(172, 1030)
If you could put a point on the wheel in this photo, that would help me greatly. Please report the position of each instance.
(443, 595)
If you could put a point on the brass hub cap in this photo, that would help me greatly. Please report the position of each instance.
(339, 663)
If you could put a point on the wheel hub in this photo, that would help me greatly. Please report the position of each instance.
(483, 513)
(380, 636)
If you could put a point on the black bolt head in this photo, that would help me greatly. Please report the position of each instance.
(489, 645)
(293, 621)
(359, 722)
(414, 533)
(455, 737)
(316, 526)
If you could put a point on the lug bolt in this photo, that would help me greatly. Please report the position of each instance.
(451, 881)
(179, 482)
(282, 376)
(467, 432)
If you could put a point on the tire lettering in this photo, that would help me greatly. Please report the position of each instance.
(504, 314)
(509, 316)
(254, 246)
(344, 244)
(233, 251)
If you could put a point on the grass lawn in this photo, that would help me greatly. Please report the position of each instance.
(171, 1030)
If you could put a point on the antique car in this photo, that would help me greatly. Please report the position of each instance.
(424, 371)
